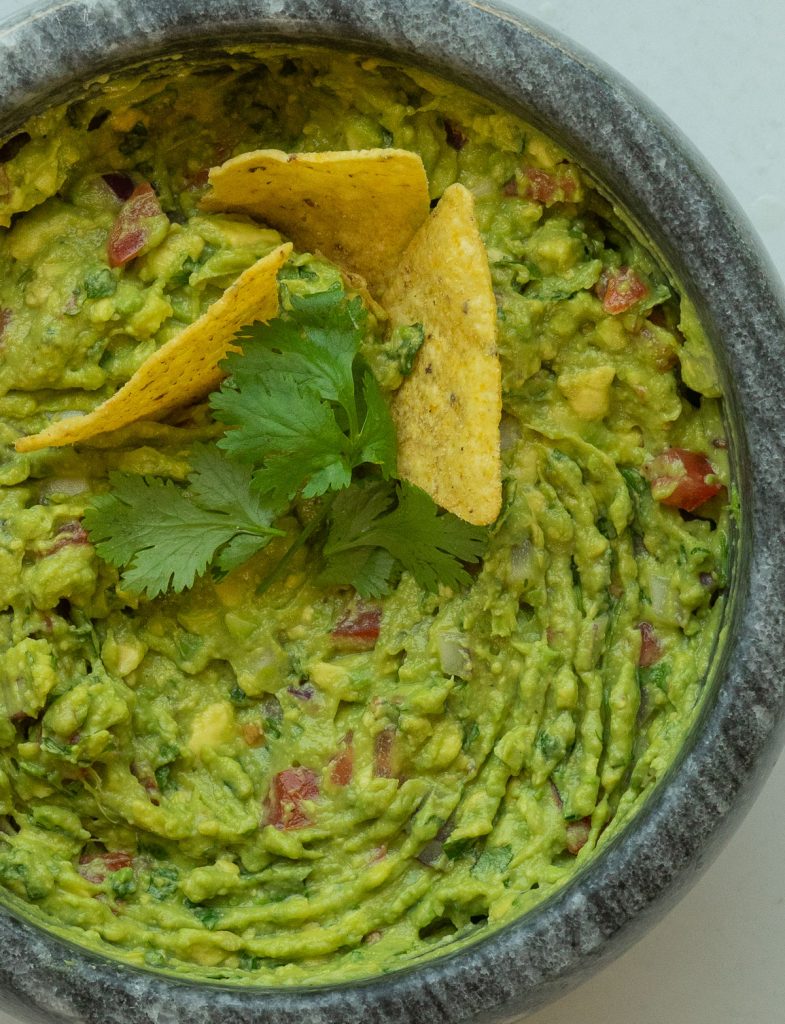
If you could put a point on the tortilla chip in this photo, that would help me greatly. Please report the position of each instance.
(359, 208)
(448, 409)
(185, 368)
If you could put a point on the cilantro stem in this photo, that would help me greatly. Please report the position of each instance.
(260, 531)
(308, 531)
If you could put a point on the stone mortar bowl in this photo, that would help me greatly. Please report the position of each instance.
(642, 162)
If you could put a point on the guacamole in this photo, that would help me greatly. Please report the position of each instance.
(301, 785)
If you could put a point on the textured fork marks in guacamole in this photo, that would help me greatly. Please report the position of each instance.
(297, 786)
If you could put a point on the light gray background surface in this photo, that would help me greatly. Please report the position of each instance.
(716, 68)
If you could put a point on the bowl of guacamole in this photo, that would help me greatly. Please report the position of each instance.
(389, 594)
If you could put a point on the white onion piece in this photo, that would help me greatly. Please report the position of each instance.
(522, 568)
(453, 656)
(659, 591)
(65, 485)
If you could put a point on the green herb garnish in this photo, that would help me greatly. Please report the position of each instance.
(166, 535)
(305, 419)
(374, 526)
(303, 411)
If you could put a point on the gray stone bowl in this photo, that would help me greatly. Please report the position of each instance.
(642, 161)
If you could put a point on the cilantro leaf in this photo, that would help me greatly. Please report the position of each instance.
(368, 570)
(301, 410)
(220, 484)
(377, 442)
(405, 522)
(166, 535)
(291, 431)
(316, 343)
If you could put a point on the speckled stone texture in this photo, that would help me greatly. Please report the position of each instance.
(685, 213)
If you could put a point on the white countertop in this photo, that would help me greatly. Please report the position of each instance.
(716, 68)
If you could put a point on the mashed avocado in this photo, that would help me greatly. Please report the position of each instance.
(299, 785)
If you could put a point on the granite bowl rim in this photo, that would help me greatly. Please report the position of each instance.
(463, 983)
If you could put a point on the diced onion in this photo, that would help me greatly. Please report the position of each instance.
(521, 568)
(659, 591)
(509, 432)
(453, 656)
(65, 485)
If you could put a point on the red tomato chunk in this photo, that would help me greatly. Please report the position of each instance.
(68, 533)
(383, 753)
(359, 630)
(578, 835)
(620, 289)
(651, 651)
(342, 767)
(96, 866)
(540, 185)
(682, 479)
(131, 230)
(290, 788)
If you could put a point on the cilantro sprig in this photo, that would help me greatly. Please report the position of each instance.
(165, 536)
(373, 526)
(305, 419)
(302, 410)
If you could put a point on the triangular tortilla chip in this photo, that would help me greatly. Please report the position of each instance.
(448, 410)
(359, 208)
(185, 368)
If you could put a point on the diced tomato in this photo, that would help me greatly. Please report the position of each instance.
(620, 289)
(510, 187)
(290, 788)
(651, 649)
(359, 630)
(577, 831)
(383, 753)
(342, 767)
(540, 185)
(131, 230)
(69, 533)
(116, 860)
(568, 185)
(682, 479)
(578, 834)
(342, 764)
(147, 779)
(96, 866)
